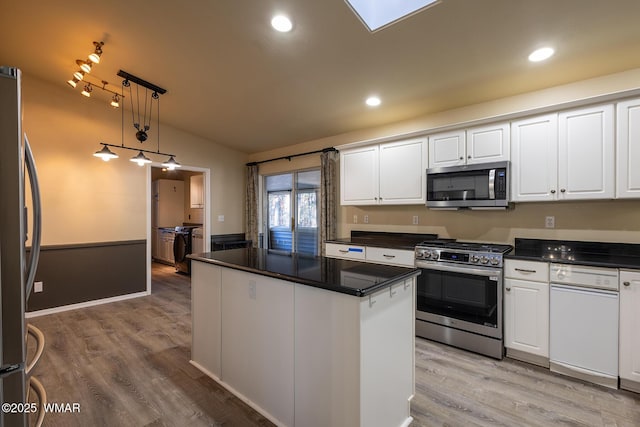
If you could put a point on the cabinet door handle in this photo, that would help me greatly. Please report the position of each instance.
(524, 270)
(343, 251)
(388, 256)
(461, 158)
(626, 283)
(562, 190)
(507, 289)
(468, 157)
(553, 191)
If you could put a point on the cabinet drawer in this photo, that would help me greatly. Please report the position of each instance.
(526, 270)
(336, 250)
(390, 256)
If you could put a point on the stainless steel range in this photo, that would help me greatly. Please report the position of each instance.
(459, 294)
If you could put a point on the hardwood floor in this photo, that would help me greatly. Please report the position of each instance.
(127, 364)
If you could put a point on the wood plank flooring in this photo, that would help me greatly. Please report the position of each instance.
(127, 364)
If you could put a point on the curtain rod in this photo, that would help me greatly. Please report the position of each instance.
(324, 150)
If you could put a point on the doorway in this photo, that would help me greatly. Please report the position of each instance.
(292, 211)
(177, 198)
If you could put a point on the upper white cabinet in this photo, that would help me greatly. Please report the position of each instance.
(534, 158)
(391, 173)
(629, 327)
(586, 145)
(359, 176)
(480, 144)
(565, 156)
(447, 149)
(628, 149)
(196, 190)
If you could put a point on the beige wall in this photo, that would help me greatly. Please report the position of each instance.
(88, 200)
(616, 221)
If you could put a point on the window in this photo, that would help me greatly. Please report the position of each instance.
(292, 211)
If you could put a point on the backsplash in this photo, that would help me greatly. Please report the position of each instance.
(607, 221)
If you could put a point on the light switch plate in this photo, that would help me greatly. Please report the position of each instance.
(37, 286)
(220, 218)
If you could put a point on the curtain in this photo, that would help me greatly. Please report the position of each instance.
(251, 203)
(328, 196)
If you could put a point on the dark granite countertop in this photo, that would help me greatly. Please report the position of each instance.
(597, 254)
(383, 239)
(338, 275)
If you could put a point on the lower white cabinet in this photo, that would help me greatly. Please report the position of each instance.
(526, 311)
(629, 366)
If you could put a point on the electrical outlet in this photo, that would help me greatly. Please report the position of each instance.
(355, 219)
(366, 219)
(550, 222)
(37, 286)
(415, 220)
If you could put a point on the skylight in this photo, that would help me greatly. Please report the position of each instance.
(376, 14)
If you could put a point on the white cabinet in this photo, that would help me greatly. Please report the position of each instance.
(359, 176)
(565, 156)
(628, 149)
(196, 191)
(481, 144)
(447, 149)
(629, 326)
(372, 254)
(344, 251)
(526, 311)
(534, 158)
(164, 249)
(586, 153)
(392, 173)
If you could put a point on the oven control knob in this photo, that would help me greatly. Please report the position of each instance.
(484, 260)
(494, 261)
(474, 258)
(429, 255)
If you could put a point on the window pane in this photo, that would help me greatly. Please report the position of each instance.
(308, 180)
(280, 209)
(307, 209)
(279, 182)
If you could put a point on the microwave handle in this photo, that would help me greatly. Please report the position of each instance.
(492, 184)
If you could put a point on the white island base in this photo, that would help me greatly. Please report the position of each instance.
(302, 355)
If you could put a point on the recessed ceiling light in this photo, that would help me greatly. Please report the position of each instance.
(373, 101)
(541, 54)
(281, 23)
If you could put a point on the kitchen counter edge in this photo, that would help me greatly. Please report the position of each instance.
(363, 292)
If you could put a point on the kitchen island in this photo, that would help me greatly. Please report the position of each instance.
(304, 340)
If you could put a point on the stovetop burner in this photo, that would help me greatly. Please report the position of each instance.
(449, 250)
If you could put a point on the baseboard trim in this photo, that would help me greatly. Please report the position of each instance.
(630, 385)
(528, 357)
(85, 304)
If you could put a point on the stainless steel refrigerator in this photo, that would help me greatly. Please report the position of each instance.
(17, 265)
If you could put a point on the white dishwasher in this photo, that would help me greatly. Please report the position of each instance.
(583, 336)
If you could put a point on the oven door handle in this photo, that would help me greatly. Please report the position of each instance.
(487, 272)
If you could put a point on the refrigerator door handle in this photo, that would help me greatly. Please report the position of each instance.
(34, 254)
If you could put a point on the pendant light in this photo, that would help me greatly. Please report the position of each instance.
(105, 154)
(171, 164)
(140, 159)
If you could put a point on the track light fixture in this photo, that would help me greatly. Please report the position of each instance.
(73, 82)
(87, 90)
(78, 75)
(84, 65)
(97, 53)
(115, 101)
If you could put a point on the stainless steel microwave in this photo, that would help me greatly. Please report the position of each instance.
(477, 186)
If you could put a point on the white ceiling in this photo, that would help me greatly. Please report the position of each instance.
(235, 81)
